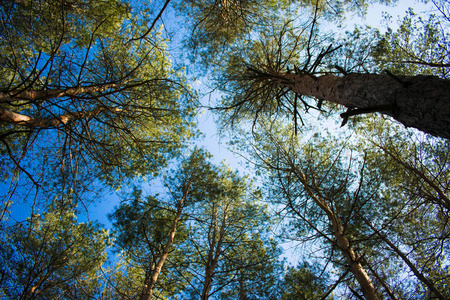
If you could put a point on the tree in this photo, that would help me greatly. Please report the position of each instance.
(95, 100)
(376, 202)
(276, 71)
(52, 255)
(312, 184)
(415, 214)
(146, 230)
(232, 254)
(415, 101)
(265, 85)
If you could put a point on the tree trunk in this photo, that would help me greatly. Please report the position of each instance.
(33, 95)
(342, 241)
(211, 261)
(242, 289)
(411, 266)
(420, 101)
(209, 272)
(214, 252)
(355, 266)
(147, 291)
(34, 122)
(149, 286)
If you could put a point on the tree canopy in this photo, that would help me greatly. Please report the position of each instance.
(93, 99)
(334, 199)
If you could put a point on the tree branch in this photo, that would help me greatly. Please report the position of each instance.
(34, 122)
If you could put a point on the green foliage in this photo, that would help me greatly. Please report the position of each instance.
(52, 255)
(413, 206)
(132, 110)
(385, 185)
(304, 282)
(251, 269)
(141, 228)
(419, 46)
(73, 21)
(216, 26)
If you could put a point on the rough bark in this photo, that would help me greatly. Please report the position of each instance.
(420, 101)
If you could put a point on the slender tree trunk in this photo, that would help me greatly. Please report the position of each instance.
(210, 263)
(242, 289)
(355, 266)
(342, 241)
(149, 285)
(420, 101)
(209, 273)
(411, 266)
(147, 293)
(214, 253)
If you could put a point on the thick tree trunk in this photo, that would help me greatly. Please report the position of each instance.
(420, 101)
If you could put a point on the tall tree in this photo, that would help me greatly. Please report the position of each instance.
(313, 187)
(231, 247)
(382, 206)
(414, 207)
(146, 229)
(145, 233)
(280, 70)
(263, 83)
(82, 92)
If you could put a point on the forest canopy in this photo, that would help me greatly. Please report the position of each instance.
(342, 130)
